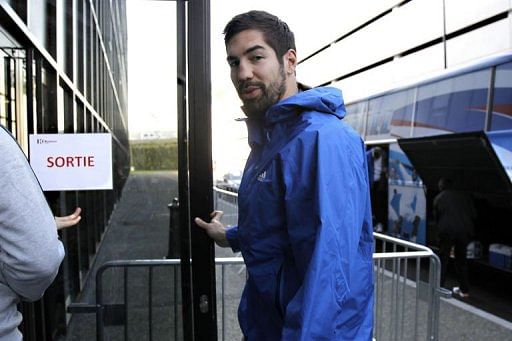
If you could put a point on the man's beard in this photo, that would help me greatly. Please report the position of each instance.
(256, 108)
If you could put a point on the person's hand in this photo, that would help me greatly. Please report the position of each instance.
(69, 220)
(214, 228)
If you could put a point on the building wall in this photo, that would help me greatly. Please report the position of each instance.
(63, 69)
(402, 41)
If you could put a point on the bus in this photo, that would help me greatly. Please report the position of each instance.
(456, 124)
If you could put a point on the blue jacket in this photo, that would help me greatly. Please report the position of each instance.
(304, 225)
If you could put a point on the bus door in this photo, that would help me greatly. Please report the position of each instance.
(476, 163)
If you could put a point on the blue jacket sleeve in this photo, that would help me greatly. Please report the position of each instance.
(327, 204)
(232, 237)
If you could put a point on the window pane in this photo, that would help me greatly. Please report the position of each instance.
(3, 89)
(402, 107)
(65, 36)
(502, 104)
(457, 104)
(47, 117)
(355, 116)
(69, 124)
(390, 115)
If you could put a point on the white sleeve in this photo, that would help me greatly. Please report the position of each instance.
(30, 251)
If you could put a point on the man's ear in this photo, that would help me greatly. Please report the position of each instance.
(290, 61)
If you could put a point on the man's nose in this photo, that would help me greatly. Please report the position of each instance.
(245, 71)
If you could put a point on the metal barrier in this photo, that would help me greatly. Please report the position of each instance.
(226, 202)
(121, 301)
(407, 283)
(407, 292)
(121, 316)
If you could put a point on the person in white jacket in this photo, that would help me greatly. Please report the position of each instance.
(30, 250)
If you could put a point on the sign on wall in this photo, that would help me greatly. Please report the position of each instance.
(64, 162)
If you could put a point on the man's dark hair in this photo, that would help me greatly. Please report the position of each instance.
(276, 32)
(445, 183)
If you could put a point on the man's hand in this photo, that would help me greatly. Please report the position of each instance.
(69, 220)
(214, 228)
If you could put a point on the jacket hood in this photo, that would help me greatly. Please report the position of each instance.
(326, 100)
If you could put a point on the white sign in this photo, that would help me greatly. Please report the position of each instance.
(66, 162)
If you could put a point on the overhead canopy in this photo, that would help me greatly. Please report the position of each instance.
(468, 159)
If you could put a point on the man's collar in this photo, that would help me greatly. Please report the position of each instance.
(255, 135)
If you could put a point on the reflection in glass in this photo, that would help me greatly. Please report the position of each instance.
(390, 115)
(355, 116)
(13, 92)
(501, 118)
(69, 119)
(457, 104)
(42, 23)
(65, 36)
(406, 199)
(47, 117)
(3, 89)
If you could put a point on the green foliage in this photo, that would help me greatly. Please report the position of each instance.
(154, 154)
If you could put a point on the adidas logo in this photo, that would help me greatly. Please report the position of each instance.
(262, 176)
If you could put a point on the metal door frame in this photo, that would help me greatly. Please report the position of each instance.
(195, 168)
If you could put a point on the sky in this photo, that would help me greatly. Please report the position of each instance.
(151, 66)
(152, 62)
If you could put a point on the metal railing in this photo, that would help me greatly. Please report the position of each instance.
(407, 290)
(126, 291)
(137, 302)
(407, 282)
(133, 302)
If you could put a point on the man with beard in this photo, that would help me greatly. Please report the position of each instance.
(304, 226)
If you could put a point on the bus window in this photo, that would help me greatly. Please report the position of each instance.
(355, 116)
(456, 104)
(401, 119)
(502, 103)
(390, 115)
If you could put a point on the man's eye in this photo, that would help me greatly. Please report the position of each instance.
(233, 63)
(256, 58)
